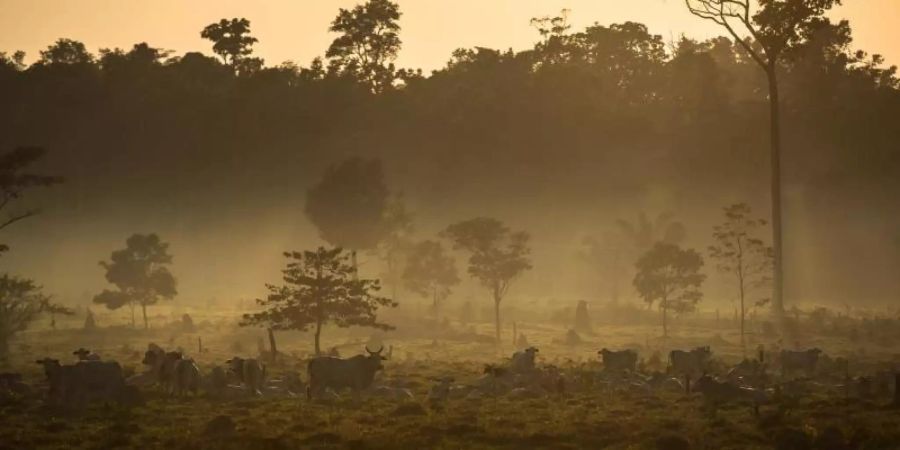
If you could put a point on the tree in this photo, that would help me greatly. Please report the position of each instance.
(605, 257)
(139, 272)
(348, 205)
(14, 180)
(644, 233)
(368, 43)
(320, 287)
(21, 302)
(396, 243)
(430, 272)
(65, 52)
(739, 253)
(776, 28)
(497, 255)
(232, 42)
(670, 277)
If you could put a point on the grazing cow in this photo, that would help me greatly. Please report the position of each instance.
(181, 374)
(356, 373)
(802, 361)
(250, 372)
(748, 372)
(693, 362)
(619, 361)
(83, 381)
(719, 392)
(84, 354)
(523, 360)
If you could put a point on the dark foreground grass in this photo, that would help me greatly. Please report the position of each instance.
(575, 420)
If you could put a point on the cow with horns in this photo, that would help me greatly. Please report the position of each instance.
(356, 373)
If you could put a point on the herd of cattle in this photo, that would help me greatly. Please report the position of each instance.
(90, 378)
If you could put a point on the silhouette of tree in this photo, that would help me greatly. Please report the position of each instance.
(368, 43)
(15, 180)
(140, 274)
(430, 272)
(321, 287)
(741, 254)
(643, 233)
(497, 255)
(776, 27)
(232, 42)
(348, 205)
(670, 276)
(393, 248)
(66, 52)
(21, 302)
(606, 259)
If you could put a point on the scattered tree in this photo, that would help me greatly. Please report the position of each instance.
(348, 205)
(740, 253)
(232, 42)
(430, 272)
(14, 180)
(497, 255)
(65, 52)
(670, 276)
(320, 287)
(368, 43)
(21, 302)
(139, 272)
(777, 27)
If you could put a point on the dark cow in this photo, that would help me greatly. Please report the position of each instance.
(694, 362)
(84, 381)
(356, 373)
(720, 392)
(250, 372)
(748, 372)
(799, 361)
(523, 360)
(618, 361)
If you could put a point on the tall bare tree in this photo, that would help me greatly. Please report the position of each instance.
(774, 27)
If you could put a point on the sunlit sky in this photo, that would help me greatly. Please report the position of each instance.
(297, 30)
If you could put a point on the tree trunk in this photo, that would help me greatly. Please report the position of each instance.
(355, 264)
(132, 315)
(318, 334)
(665, 310)
(775, 135)
(497, 313)
(144, 311)
(272, 348)
(743, 314)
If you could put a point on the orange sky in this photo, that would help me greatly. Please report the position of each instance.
(297, 29)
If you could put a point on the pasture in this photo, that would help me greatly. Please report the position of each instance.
(587, 413)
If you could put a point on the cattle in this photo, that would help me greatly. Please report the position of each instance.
(356, 373)
(799, 361)
(748, 372)
(84, 381)
(523, 360)
(618, 361)
(180, 374)
(694, 362)
(84, 354)
(217, 381)
(250, 373)
(719, 392)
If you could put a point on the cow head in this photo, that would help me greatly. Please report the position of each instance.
(82, 353)
(374, 359)
(603, 352)
(704, 351)
(236, 365)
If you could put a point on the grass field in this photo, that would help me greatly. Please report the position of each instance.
(583, 416)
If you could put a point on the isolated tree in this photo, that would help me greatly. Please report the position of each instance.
(739, 253)
(670, 277)
(320, 287)
(140, 274)
(232, 42)
(497, 255)
(606, 259)
(430, 272)
(775, 28)
(368, 42)
(21, 302)
(348, 205)
(15, 180)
